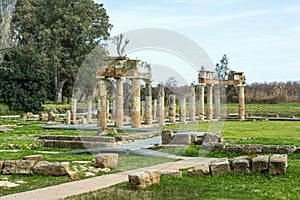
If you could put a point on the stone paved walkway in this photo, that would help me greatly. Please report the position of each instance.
(92, 184)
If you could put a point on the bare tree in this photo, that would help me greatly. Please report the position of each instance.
(118, 40)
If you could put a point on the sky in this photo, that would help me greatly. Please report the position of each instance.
(259, 37)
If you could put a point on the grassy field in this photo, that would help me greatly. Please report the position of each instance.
(230, 186)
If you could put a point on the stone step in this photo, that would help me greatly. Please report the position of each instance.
(76, 144)
(78, 138)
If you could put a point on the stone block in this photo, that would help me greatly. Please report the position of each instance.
(219, 166)
(241, 164)
(213, 137)
(287, 149)
(167, 136)
(143, 179)
(3, 129)
(106, 160)
(270, 149)
(278, 164)
(252, 149)
(234, 148)
(36, 158)
(51, 168)
(183, 139)
(201, 169)
(17, 167)
(213, 146)
(260, 164)
(171, 173)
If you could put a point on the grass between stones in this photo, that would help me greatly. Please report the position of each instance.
(35, 181)
(228, 186)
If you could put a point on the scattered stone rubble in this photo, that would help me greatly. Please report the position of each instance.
(35, 164)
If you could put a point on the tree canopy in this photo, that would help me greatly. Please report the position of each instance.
(61, 33)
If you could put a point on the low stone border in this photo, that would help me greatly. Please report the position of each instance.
(261, 149)
(274, 164)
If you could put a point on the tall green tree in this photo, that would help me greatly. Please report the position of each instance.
(62, 33)
(222, 71)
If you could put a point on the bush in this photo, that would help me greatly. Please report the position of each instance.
(22, 82)
(192, 151)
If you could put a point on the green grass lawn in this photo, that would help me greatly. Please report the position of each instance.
(229, 186)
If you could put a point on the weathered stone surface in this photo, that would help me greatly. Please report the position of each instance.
(252, 149)
(213, 137)
(36, 158)
(241, 164)
(89, 174)
(171, 173)
(184, 139)
(97, 170)
(278, 164)
(51, 168)
(106, 160)
(43, 116)
(270, 149)
(213, 146)
(17, 167)
(219, 166)
(3, 129)
(201, 169)
(7, 184)
(167, 136)
(234, 148)
(52, 116)
(287, 149)
(73, 175)
(260, 164)
(108, 130)
(143, 179)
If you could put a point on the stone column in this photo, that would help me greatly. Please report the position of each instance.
(89, 115)
(217, 97)
(113, 109)
(119, 112)
(68, 116)
(107, 107)
(172, 109)
(161, 105)
(74, 110)
(201, 102)
(143, 111)
(209, 112)
(154, 109)
(241, 102)
(102, 107)
(148, 104)
(192, 104)
(136, 104)
(182, 104)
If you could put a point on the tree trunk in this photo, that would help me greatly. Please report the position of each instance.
(59, 91)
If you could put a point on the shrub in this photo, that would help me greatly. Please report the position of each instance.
(192, 151)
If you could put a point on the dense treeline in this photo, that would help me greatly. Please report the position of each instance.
(49, 37)
(275, 92)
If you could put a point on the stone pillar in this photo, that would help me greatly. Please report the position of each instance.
(119, 112)
(192, 104)
(136, 104)
(113, 109)
(209, 112)
(68, 121)
(107, 108)
(241, 102)
(148, 104)
(161, 105)
(182, 104)
(89, 115)
(102, 107)
(201, 102)
(154, 108)
(172, 109)
(217, 97)
(74, 110)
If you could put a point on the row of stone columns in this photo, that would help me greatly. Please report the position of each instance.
(196, 104)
